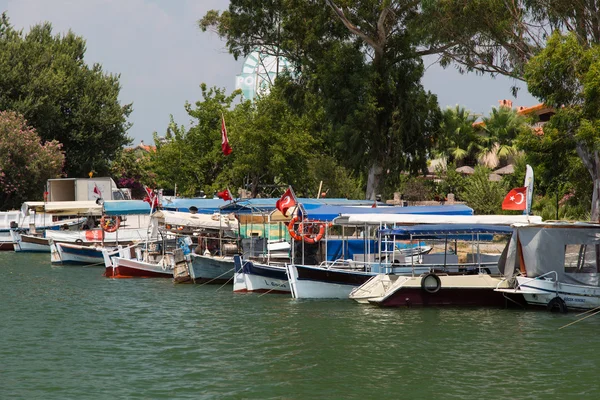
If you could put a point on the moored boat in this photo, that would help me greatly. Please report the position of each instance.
(555, 265)
(453, 277)
(143, 261)
(252, 276)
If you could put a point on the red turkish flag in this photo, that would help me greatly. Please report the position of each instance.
(286, 201)
(225, 195)
(224, 141)
(516, 199)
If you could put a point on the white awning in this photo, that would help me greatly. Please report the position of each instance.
(65, 207)
(207, 221)
(377, 219)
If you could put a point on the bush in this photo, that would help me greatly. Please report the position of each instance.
(25, 162)
(483, 195)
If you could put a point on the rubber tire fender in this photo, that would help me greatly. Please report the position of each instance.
(557, 305)
(430, 289)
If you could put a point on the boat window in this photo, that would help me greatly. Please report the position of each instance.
(580, 258)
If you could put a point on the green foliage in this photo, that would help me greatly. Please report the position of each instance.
(416, 188)
(367, 81)
(481, 194)
(502, 128)
(192, 159)
(131, 169)
(459, 142)
(273, 145)
(44, 77)
(451, 182)
(567, 210)
(25, 162)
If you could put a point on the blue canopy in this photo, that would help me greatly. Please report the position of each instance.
(204, 206)
(126, 207)
(328, 213)
(446, 229)
(250, 206)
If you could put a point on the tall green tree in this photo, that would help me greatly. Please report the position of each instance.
(565, 75)
(550, 44)
(45, 78)
(502, 128)
(26, 162)
(459, 141)
(360, 59)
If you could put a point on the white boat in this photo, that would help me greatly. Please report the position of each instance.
(337, 278)
(132, 216)
(555, 265)
(73, 253)
(143, 262)
(253, 276)
(210, 240)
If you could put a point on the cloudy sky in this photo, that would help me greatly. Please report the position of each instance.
(163, 56)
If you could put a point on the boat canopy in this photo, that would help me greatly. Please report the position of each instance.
(126, 207)
(267, 205)
(358, 219)
(203, 206)
(331, 213)
(568, 252)
(446, 229)
(65, 207)
(206, 221)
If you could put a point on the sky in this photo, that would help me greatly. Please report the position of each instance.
(163, 57)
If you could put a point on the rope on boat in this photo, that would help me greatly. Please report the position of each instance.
(226, 272)
(588, 311)
(270, 290)
(580, 319)
(221, 287)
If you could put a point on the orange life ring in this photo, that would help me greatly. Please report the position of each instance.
(110, 224)
(295, 235)
(307, 237)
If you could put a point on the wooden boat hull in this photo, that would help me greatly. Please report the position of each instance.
(67, 253)
(211, 269)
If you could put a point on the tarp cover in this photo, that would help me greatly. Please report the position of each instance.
(329, 213)
(385, 218)
(544, 246)
(126, 207)
(214, 221)
(204, 206)
(267, 205)
(346, 249)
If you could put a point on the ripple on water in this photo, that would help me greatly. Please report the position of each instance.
(67, 332)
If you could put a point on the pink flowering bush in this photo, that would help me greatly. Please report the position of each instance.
(25, 162)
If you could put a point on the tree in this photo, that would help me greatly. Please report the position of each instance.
(459, 141)
(565, 76)
(551, 44)
(481, 194)
(26, 163)
(359, 59)
(44, 77)
(502, 128)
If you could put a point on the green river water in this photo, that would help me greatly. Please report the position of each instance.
(70, 333)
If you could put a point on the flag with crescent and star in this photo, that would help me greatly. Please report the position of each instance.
(286, 201)
(516, 199)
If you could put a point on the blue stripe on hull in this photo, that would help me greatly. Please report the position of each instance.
(265, 271)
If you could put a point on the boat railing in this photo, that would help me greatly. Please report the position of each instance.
(547, 274)
(481, 267)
